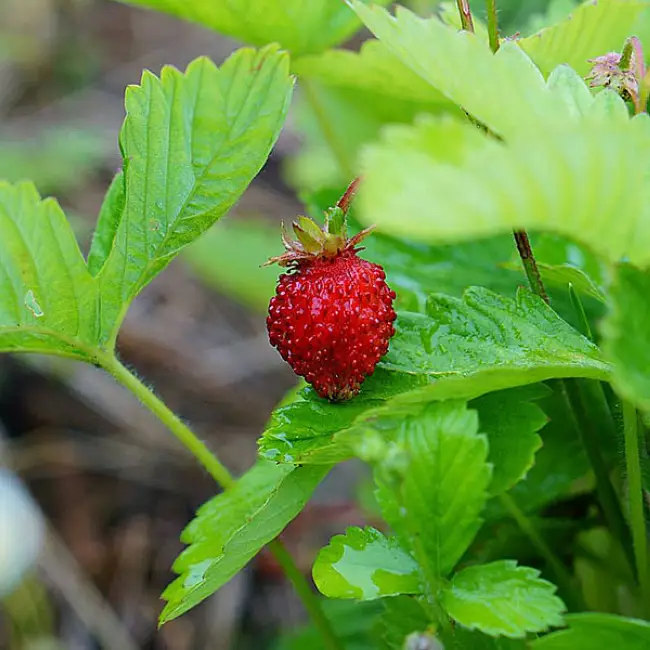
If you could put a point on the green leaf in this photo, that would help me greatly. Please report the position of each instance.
(301, 27)
(593, 29)
(402, 616)
(502, 599)
(334, 121)
(589, 631)
(463, 639)
(108, 221)
(48, 300)
(626, 333)
(373, 69)
(463, 68)
(433, 491)
(511, 422)
(460, 349)
(559, 464)
(443, 182)
(563, 275)
(191, 144)
(485, 329)
(353, 621)
(232, 527)
(365, 564)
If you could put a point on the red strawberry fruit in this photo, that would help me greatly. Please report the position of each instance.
(332, 314)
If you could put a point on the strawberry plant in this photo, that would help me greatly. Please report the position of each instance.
(506, 426)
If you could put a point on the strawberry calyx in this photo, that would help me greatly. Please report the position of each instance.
(312, 241)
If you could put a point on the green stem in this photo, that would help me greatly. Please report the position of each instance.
(561, 574)
(334, 142)
(223, 477)
(635, 492)
(304, 591)
(493, 24)
(186, 437)
(606, 494)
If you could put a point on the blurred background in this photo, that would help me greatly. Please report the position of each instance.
(89, 481)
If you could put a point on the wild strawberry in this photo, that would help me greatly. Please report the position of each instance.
(332, 315)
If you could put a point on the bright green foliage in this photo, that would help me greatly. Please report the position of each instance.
(232, 527)
(48, 300)
(365, 564)
(593, 29)
(191, 144)
(589, 631)
(627, 334)
(442, 181)
(374, 69)
(502, 599)
(511, 421)
(301, 27)
(462, 67)
(432, 489)
(460, 349)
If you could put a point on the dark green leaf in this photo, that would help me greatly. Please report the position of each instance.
(485, 329)
(461, 349)
(302, 27)
(589, 631)
(433, 489)
(48, 300)
(365, 564)
(232, 527)
(627, 334)
(354, 623)
(502, 599)
(464, 639)
(402, 616)
(559, 464)
(511, 422)
(191, 143)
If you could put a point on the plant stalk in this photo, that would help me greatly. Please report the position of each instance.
(606, 494)
(222, 476)
(561, 574)
(334, 142)
(530, 265)
(465, 15)
(635, 495)
(493, 24)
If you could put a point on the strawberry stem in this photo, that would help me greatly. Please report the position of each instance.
(465, 15)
